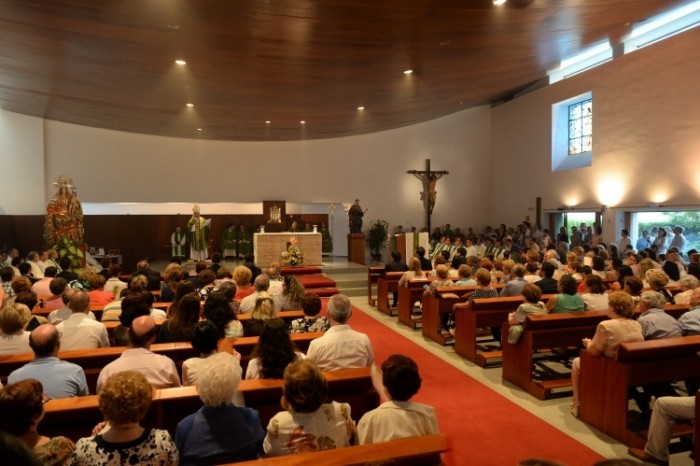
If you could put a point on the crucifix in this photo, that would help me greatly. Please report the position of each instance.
(429, 179)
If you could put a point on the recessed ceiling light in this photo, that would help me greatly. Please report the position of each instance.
(199, 129)
(173, 26)
(408, 72)
(180, 62)
(360, 108)
(267, 122)
(303, 122)
(499, 2)
(189, 105)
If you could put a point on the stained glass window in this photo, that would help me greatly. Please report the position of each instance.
(581, 127)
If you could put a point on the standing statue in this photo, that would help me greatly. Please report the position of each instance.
(355, 214)
(64, 214)
(199, 234)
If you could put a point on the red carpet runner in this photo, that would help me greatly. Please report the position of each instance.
(484, 428)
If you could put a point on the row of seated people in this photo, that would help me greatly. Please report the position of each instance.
(222, 432)
(81, 330)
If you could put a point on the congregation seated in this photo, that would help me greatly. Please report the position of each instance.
(414, 271)
(207, 278)
(124, 401)
(30, 299)
(217, 308)
(530, 307)
(262, 285)
(464, 276)
(341, 347)
(657, 280)
(690, 321)
(307, 423)
(547, 284)
(172, 277)
(42, 287)
(687, 285)
(183, 288)
(60, 379)
(273, 352)
(311, 322)
(96, 282)
(263, 311)
(398, 417)
(485, 290)
(14, 338)
(205, 338)
(113, 283)
(57, 287)
(594, 296)
(21, 411)
(219, 432)
(242, 275)
(181, 322)
(133, 305)
(567, 300)
(514, 286)
(143, 267)
(609, 334)
(292, 293)
(66, 273)
(159, 370)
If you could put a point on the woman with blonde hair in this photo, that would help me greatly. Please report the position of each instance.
(619, 328)
(657, 280)
(264, 310)
(242, 276)
(414, 272)
(14, 339)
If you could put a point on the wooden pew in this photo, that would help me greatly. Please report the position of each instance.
(287, 316)
(408, 296)
(171, 405)
(605, 383)
(92, 361)
(373, 274)
(387, 283)
(411, 451)
(544, 332)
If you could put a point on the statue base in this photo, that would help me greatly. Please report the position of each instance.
(356, 248)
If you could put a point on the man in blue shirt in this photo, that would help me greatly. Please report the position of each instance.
(61, 379)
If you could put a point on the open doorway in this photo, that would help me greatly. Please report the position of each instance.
(689, 220)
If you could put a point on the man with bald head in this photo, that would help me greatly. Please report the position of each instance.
(61, 379)
(159, 370)
(262, 284)
(79, 331)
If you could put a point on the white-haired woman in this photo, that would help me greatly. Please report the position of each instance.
(219, 432)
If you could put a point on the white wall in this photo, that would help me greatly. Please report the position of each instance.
(21, 165)
(110, 167)
(646, 130)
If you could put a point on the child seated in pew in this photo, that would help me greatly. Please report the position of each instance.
(532, 306)
(398, 417)
(308, 424)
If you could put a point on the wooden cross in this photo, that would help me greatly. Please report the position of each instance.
(429, 179)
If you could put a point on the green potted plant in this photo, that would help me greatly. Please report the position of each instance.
(376, 238)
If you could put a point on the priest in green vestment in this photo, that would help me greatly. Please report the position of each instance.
(326, 240)
(198, 227)
(178, 240)
(229, 241)
(245, 241)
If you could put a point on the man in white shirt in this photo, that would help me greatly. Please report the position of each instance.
(341, 347)
(624, 242)
(159, 370)
(678, 240)
(33, 261)
(79, 331)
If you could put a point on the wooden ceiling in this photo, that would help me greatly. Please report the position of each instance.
(111, 64)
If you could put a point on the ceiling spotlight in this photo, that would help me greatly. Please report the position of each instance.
(189, 105)
(360, 108)
(408, 72)
(499, 2)
(303, 122)
(173, 26)
(267, 122)
(199, 129)
(180, 62)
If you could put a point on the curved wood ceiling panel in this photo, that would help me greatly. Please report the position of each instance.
(111, 64)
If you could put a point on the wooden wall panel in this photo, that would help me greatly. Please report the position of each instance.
(135, 236)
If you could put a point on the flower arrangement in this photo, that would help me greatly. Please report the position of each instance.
(293, 256)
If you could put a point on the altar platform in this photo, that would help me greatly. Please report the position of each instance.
(268, 247)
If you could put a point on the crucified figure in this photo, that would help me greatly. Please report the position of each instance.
(429, 179)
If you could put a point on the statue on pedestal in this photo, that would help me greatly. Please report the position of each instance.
(355, 214)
